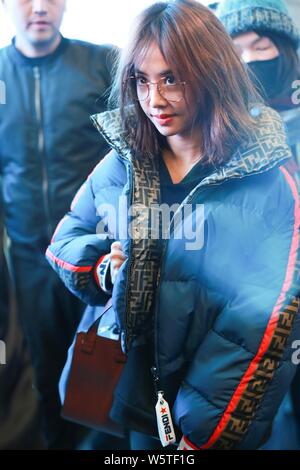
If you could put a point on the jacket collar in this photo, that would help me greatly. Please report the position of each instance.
(20, 59)
(266, 148)
(109, 124)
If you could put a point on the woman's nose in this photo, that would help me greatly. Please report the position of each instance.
(155, 97)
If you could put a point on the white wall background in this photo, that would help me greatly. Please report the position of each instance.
(294, 8)
(98, 21)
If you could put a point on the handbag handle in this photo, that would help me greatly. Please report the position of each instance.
(89, 338)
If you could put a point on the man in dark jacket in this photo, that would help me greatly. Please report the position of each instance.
(47, 148)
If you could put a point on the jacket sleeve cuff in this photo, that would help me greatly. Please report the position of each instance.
(102, 274)
(185, 444)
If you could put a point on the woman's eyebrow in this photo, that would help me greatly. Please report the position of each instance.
(162, 74)
(165, 72)
(141, 72)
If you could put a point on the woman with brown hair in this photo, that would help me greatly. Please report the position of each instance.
(191, 224)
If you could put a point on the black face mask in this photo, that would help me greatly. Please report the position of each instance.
(265, 76)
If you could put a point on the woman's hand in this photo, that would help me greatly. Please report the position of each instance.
(117, 258)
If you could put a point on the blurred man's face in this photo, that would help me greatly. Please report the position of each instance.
(37, 21)
(252, 47)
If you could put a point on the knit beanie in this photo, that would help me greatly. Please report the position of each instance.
(241, 16)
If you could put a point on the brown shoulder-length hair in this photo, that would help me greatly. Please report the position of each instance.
(199, 51)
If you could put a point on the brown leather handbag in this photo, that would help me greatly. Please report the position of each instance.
(96, 367)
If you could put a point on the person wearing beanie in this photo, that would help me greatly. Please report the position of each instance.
(267, 39)
(241, 16)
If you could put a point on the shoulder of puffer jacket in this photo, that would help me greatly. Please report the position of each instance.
(110, 171)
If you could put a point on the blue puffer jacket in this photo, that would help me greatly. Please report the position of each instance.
(228, 312)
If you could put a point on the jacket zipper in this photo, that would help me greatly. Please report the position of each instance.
(41, 148)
